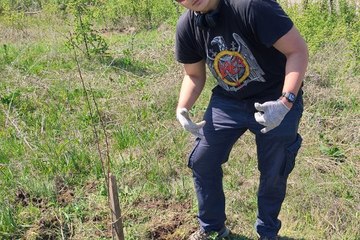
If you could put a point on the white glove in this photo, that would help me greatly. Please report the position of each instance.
(182, 115)
(270, 114)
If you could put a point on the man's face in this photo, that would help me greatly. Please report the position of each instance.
(199, 5)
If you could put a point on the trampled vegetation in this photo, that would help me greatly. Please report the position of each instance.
(86, 82)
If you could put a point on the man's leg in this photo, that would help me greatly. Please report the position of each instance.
(276, 150)
(220, 133)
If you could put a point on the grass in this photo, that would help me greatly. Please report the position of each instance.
(51, 178)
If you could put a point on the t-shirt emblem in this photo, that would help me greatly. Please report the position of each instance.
(231, 67)
(234, 67)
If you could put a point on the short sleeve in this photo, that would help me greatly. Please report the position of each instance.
(186, 50)
(269, 21)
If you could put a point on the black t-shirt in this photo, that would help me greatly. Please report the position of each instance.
(238, 50)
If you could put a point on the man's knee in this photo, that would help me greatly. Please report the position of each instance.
(272, 186)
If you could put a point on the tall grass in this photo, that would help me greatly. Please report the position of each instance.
(51, 180)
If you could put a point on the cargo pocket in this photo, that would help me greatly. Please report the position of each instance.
(291, 153)
(193, 152)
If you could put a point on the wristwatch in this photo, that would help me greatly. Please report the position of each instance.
(289, 96)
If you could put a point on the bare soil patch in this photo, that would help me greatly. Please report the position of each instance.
(169, 220)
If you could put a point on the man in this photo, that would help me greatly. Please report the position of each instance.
(259, 60)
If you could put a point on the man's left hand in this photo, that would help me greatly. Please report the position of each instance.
(270, 114)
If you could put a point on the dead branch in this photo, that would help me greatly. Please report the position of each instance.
(17, 129)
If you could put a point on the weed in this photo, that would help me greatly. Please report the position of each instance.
(84, 37)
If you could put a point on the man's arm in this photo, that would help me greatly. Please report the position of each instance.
(293, 46)
(192, 85)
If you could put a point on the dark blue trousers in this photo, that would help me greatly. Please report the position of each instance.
(226, 120)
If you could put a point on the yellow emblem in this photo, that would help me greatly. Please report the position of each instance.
(232, 67)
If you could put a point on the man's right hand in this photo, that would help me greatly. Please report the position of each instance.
(182, 115)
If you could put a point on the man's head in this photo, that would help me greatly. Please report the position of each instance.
(202, 6)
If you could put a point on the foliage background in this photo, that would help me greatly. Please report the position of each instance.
(51, 177)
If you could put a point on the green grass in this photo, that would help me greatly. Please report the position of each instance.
(51, 178)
